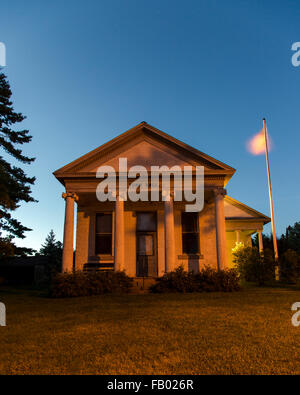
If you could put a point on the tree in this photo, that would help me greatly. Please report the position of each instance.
(268, 242)
(289, 263)
(252, 266)
(53, 250)
(15, 186)
(292, 237)
(51, 246)
(7, 248)
(290, 240)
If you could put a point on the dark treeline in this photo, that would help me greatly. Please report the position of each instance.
(290, 240)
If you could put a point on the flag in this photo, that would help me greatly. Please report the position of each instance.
(257, 145)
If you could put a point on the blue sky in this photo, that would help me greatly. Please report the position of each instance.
(205, 72)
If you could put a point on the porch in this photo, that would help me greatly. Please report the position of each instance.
(146, 239)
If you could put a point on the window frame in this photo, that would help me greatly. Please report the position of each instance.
(110, 254)
(196, 232)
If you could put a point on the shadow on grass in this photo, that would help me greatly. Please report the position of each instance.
(29, 290)
(272, 285)
(43, 292)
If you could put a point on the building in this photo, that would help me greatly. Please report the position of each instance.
(149, 238)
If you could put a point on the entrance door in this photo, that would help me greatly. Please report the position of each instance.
(146, 261)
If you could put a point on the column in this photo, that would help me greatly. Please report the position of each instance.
(220, 228)
(119, 234)
(260, 242)
(169, 235)
(238, 236)
(67, 258)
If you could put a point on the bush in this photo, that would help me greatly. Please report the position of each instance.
(176, 281)
(211, 280)
(207, 280)
(66, 285)
(289, 265)
(252, 266)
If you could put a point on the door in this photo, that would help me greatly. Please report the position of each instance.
(146, 237)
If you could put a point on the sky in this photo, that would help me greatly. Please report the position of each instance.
(206, 72)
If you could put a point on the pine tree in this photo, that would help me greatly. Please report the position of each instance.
(292, 237)
(53, 250)
(15, 186)
(51, 246)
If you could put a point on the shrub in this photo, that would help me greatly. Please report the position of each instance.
(211, 280)
(176, 281)
(289, 265)
(252, 266)
(207, 280)
(268, 265)
(89, 283)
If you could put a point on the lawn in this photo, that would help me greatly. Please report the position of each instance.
(248, 332)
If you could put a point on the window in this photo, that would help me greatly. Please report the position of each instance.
(104, 233)
(190, 233)
(146, 222)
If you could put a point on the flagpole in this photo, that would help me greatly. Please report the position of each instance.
(271, 202)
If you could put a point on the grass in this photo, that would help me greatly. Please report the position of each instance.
(248, 332)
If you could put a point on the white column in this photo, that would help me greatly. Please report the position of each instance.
(67, 258)
(119, 234)
(260, 242)
(220, 228)
(169, 235)
(238, 236)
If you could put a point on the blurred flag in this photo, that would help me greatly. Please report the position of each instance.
(257, 145)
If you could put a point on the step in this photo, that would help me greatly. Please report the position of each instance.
(142, 285)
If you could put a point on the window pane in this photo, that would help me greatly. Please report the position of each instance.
(104, 223)
(145, 245)
(190, 243)
(189, 222)
(146, 222)
(103, 244)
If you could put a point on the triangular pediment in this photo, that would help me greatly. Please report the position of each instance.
(146, 146)
(232, 211)
(235, 210)
(145, 153)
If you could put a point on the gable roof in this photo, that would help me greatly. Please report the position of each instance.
(235, 210)
(151, 132)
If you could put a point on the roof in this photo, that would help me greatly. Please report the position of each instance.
(247, 213)
(215, 166)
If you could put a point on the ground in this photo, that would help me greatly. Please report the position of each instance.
(247, 332)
